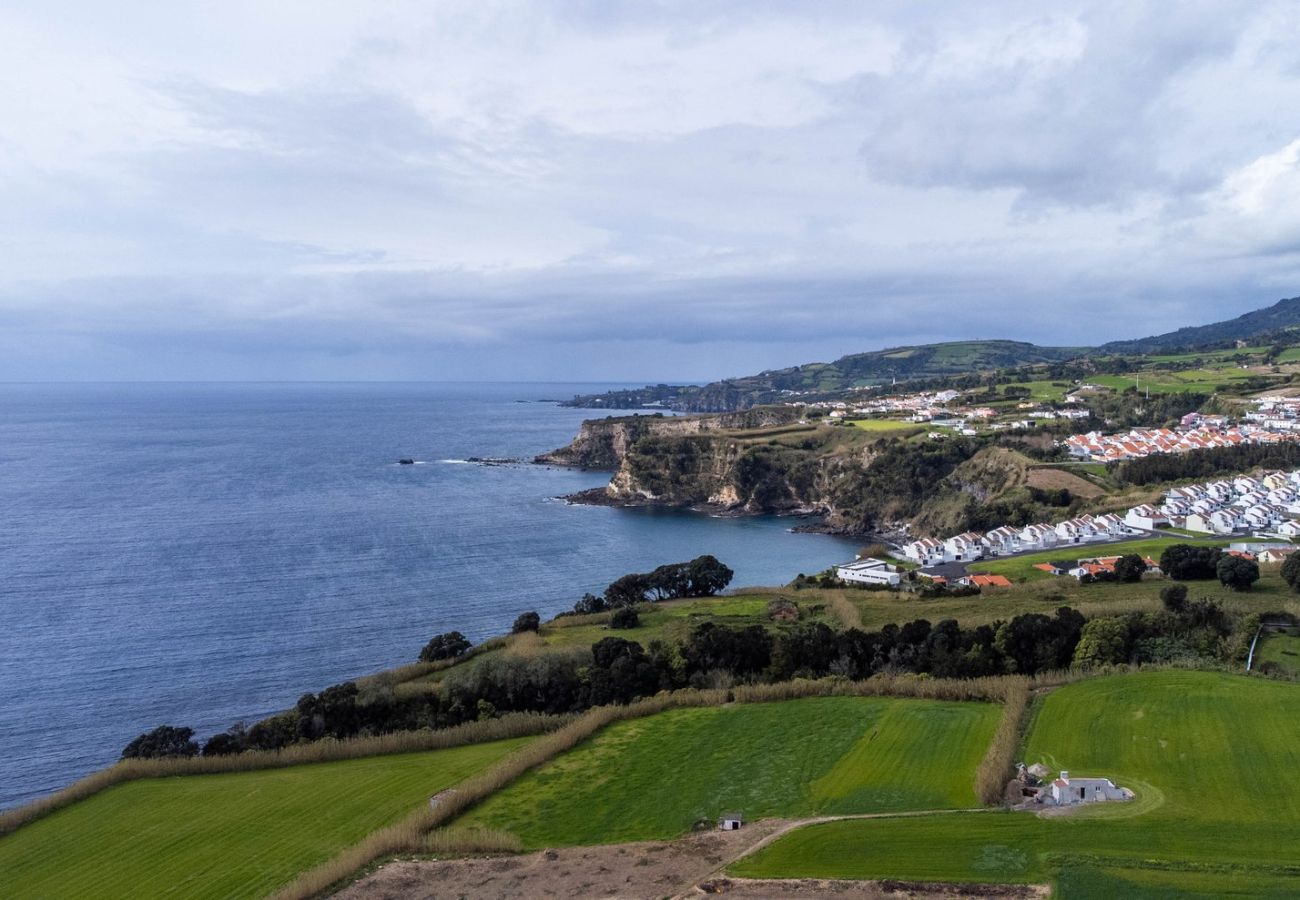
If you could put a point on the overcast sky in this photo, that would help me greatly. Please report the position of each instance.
(638, 191)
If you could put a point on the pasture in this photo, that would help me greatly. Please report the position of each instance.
(1209, 755)
(240, 834)
(655, 777)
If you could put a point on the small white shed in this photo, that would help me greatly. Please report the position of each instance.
(730, 821)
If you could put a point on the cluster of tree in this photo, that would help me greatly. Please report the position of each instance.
(1129, 409)
(703, 576)
(616, 670)
(1191, 562)
(164, 742)
(1182, 630)
(1206, 464)
(445, 646)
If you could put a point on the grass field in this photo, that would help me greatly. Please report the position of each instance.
(655, 777)
(233, 835)
(1282, 649)
(1209, 755)
(877, 425)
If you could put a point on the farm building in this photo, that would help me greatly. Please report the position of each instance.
(1067, 791)
(983, 581)
(730, 821)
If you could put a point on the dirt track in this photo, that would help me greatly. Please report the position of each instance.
(653, 869)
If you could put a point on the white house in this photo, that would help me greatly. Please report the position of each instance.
(1199, 522)
(1001, 541)
(1289, 528)
(1109, 525)
(964, 546)
(1075, 531)
(1146, 517)
(1224, 521)
(926, 551)
(869, 570)
(1038, 537)
(1067, 791)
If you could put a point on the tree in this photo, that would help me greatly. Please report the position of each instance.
(164, 742)
(529, 621)
(707, 576)
(1103, 641)
(1130, 568)
(1185, 562)
(1237, 572)
(1174, 597)
(445, 646)
(625, 617)
(589, 604)
(1291, 571)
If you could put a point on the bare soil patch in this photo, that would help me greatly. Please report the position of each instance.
(1047, 479)
(648, 869)
(746, 889)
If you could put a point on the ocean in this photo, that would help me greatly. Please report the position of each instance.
(201, 554)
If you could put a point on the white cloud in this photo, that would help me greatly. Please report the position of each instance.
(455, 183)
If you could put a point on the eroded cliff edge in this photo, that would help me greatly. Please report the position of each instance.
(771, 460)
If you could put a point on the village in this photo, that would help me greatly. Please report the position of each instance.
(1242, 506)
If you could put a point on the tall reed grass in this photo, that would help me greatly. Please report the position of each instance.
(325, 750)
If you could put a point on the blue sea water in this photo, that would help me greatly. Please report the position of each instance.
(201, 554)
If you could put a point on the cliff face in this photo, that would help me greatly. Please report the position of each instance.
(604, 443)
(762, 462)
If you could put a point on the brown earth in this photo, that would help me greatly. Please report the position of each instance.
(688, 867)
(1046, 479)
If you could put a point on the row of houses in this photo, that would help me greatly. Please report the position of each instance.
(1139, 442)
(1008, 539)
(1267, 503)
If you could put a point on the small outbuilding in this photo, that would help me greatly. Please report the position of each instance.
(730, 821)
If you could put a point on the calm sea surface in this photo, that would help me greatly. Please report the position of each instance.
(203, 554)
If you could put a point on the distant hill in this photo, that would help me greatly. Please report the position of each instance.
(1281, 316)
(814, 379)
(819, 380)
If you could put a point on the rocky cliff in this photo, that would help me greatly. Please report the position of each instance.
(604, 443)
(856, 483)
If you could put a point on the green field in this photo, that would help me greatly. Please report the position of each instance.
(654, 777)
(1282, 649)
(1210, 755)
(877, 425)
(232, 835)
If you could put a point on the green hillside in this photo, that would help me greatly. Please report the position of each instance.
(1209, 755)
(1283, 315)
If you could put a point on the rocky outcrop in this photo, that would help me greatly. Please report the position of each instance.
(604, 443)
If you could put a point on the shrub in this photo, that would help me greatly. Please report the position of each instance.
(1291, 571)
(164, 742)
(1130, 568)
(529, 621)
(444, 646)
(1184, 562)
(625, 617)
(1174, 597)
(1237, 572)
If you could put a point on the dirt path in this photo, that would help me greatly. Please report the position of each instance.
(689, 867)
(786, 827)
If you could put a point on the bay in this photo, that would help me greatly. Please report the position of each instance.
(200, 554)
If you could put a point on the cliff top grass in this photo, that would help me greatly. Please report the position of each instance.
(240, 834)
(1208, 754)
(654, 777)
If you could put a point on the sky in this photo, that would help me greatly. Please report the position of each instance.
(632, 191)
